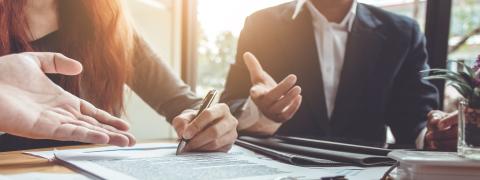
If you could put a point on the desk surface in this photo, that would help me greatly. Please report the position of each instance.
(14, 162)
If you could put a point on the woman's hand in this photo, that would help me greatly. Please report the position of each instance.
(33, 106)
(215, 129)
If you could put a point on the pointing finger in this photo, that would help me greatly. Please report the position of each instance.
(281, 89)
(286, 100)
(254, 67)
(292, 109)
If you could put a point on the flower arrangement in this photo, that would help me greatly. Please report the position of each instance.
(466, 81)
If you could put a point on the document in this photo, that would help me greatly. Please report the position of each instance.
(357, 173)
(147, 162)
(109, 150)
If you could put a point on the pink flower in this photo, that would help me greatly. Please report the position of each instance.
(476, 66)
(476, 78)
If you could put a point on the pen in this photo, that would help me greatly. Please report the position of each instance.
(207, 101)
(334, 178)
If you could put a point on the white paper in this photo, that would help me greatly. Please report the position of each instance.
(148, 150)
(127, 151)
(43, 176)
(354, 173)
(113, 150)
(164, 164)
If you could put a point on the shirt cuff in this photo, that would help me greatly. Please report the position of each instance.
(250, 114)
(421, 139)
(250, 109)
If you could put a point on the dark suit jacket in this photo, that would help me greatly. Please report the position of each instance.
(381, 84)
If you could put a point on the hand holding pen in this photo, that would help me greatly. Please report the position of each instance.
(212, 128)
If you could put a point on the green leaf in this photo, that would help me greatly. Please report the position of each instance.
(464, 88)
(468, 79)
(463, 91)
(437, 70)
(463, 81)
(469, 70)
(449, 77)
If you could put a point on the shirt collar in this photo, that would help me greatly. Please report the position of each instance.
(347, 21)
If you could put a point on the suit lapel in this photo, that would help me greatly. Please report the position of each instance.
(364, 45)
(301, 49)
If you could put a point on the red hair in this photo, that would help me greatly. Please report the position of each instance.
(94, 32)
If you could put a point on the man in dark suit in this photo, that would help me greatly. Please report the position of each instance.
(357, 65)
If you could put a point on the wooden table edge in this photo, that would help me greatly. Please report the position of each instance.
(15, 162)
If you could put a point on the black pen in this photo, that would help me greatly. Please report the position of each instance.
(334, 178)
(207, 101)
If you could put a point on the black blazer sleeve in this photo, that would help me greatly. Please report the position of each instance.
(412, 97)
(238, 83)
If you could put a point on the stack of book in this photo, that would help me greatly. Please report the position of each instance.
(434, 165)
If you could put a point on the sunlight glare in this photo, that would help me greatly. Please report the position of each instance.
(216, 16)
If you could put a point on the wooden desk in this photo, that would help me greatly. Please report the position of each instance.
(14, 162)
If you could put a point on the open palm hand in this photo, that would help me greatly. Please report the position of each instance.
(32, 106)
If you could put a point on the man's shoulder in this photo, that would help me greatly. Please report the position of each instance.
(274, 13)
(390, 19)
(281, 12)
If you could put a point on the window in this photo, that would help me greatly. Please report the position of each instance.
(220, 22)
(158, 21)
(219, 25)
(463, 43)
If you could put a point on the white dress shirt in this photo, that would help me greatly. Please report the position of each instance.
(331, 40)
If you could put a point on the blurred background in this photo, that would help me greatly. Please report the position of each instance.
(198, 39)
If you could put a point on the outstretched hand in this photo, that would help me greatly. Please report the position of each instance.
(279, 102)
(32, 106)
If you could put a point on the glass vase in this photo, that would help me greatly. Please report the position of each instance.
(468, 131)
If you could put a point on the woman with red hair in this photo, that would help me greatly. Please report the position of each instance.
(98, 35)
